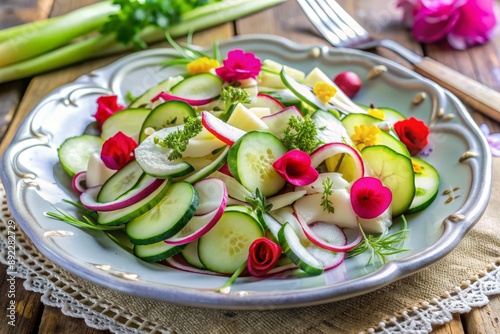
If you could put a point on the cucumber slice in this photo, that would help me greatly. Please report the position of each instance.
(297, 253)
(190, 254)
(219, 159)
(127, 121)
(123, 216)
(251, 159)
(384, 138)
(329, 128)
(164, 86)
(271, 225)
(74, 153)
(167, 114)
(156, 252)
(225, 247)
(199, 87)
(396, 172)
(121, 182)
(391, 115)
(167, 217)
(427, 185)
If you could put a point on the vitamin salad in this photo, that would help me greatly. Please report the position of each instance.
(244, 166)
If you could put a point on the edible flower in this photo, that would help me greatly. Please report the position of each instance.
(107, 105)
(375, 112)
(239, 65)
(295, 167)
(493, 140)
(364, 135)
(202, 65)
(118, 150)
(413, 133)
(263, 255)
(369, 197)
(462, 23)
(417, 168)
(324, 91)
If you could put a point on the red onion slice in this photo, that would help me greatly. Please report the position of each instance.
(170, 97)
(78, 181)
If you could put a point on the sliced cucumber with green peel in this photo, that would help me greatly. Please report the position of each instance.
(167, 114)
(427, 185)
(190, 255)
(297, 253)
(199, 87)
(156, 252)
(121, 182)
(383, 138)
(128, 121)
(167, 217)
(74, 153)
(124, 216)
(164, 86)
(250, 161)
(225, 247)
(395, 171)
(219, 160)
(391, 115)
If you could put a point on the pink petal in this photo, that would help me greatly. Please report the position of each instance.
(369, 198)
(295, 167)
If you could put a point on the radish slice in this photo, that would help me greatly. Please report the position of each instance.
(147, 186)
(332, 237)
(78, 182)
(223, 131)
(329, 150)
(178, 262)
(328, 259)
(170, 97)
(265, 100)
(201, 224)
(278, 122)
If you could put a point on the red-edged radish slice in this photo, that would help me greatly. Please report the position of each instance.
(78, 182)
(278, 122)
(170, 97)
(332, 237)
(265, 100)
(148, 185)
(201, 224)
(177, 262)
(329, 150)
(223, 131)
(327, 258)
(212, 193)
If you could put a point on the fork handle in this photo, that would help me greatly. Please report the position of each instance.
(477, 95)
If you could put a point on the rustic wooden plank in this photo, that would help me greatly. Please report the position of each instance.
(453, 327)
(484, 320)
(15, 12)
(53, 321)
(20, 309)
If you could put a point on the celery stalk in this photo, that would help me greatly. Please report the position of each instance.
(197, 19)
(59, 32)
(22, 29)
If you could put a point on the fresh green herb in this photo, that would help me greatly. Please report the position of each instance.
(301, 133)
(258, 202)
(88, 217)
(232, 95)
(327, 191)
(177, 141)
(129, 97)
(380, 247)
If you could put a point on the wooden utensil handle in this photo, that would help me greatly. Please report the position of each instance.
(477, 95)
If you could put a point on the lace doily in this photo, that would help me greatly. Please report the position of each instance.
(59, 289)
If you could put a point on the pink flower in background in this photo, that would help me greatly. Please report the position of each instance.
(463, 23)
(493, 140)
(239, 66)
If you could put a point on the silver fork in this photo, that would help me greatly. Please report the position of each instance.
(341, 30)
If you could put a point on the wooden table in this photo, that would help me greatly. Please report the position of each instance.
(18, 98)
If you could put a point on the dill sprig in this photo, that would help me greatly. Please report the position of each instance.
(232, 95)
(301, 133)
(327, 191)
(382, 246)
(258, 202)
(178, 140)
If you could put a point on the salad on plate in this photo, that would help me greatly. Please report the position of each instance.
(245, 166)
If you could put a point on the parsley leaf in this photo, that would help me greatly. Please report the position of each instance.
(327, 191)
(178, 140)
(232, 95)
(301, 133)
(258, 202)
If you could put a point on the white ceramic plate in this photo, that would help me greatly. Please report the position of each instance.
(34, 179)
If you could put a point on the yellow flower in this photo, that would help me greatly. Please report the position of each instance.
(324, 91)
(417, 168)
(377, 113)
(202, 65)
(364, 136)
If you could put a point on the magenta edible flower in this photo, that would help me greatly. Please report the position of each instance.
(369, 197)
(106, 106)
(263, 255)
(239, 65)
(492, 139)
(295, 167)
(118, 151)
(463, 23)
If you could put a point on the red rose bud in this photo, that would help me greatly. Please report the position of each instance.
(263, 255)
(118, 151)
(106, 106)
(413, 133)
(295, 167)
